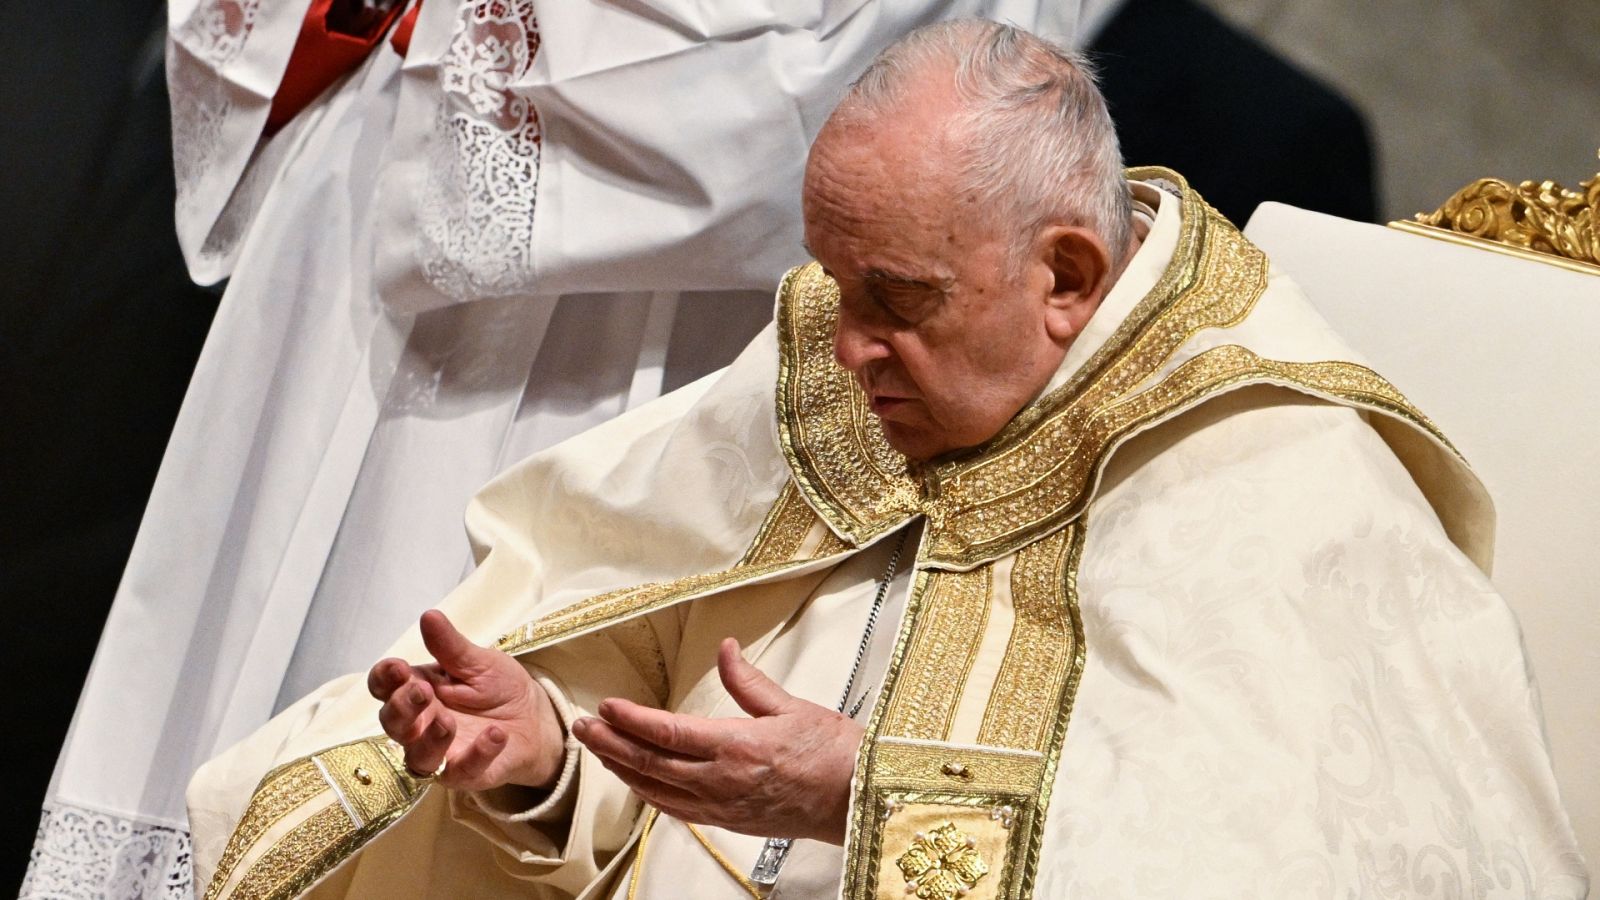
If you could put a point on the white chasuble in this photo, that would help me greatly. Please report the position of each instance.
(1206, 619)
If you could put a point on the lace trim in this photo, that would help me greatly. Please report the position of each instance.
(80, 853)
(478, 206)
(217, 30)
(207, 41)
(200, 106)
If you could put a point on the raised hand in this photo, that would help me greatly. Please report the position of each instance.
(476, 707)
(783, 773)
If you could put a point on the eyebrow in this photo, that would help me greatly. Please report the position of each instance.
(896, 279)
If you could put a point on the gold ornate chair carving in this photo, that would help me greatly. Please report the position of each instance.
(1541, 221)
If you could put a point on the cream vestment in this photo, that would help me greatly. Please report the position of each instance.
(1206, 619)
(535, 221)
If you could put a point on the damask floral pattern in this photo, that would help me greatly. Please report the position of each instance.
(1296, 686)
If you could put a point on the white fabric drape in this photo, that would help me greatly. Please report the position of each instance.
(400, 325)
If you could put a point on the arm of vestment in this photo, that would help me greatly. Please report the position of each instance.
(225, 60)
(679, 486)
(1293, 677)
(658, 146)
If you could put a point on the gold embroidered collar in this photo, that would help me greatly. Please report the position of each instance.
(1038, 473)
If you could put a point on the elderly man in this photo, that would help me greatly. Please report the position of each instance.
(1080, 561)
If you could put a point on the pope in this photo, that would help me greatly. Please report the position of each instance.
(1049, 544)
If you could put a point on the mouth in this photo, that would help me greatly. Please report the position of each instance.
(883, 405)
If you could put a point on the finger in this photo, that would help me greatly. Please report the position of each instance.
(674, 801)
(472, 765)
(458, 656)
(407, 712)
(385, 677)
(755, 693)
(622, 749)
(424, 754)
(687, 735)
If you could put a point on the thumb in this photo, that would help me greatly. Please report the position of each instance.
(755, 693)
(456, 655)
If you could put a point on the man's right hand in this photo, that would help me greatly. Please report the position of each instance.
(476, 707)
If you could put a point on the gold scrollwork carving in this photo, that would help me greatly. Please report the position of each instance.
(1538, 220)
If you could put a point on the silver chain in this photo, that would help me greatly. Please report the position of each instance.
(872, 623)
(776, 850)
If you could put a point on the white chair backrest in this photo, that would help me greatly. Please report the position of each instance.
(1504, 354)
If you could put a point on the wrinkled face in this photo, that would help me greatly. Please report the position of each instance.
(945, 332)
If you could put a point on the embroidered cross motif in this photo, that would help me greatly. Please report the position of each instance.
(942, 864)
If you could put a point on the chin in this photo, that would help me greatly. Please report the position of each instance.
(913, 443)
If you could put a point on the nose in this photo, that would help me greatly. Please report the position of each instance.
(856, 344)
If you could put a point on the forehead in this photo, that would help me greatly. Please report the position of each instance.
(875, 187)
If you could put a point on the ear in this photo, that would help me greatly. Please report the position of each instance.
(1080, 268)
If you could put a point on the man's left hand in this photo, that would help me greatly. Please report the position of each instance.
(785, 772)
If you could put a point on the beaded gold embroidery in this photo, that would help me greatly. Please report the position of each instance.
(1037, 472)
(302, 850)
(951, 619)
(370, 789)
(942, 864)
(607, 609)
(1039, 654)
(282, 791)
(784, 530)
(777, 546)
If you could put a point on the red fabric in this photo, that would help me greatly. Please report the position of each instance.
(323, 54)
(401, 39)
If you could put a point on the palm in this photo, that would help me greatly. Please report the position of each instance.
(475, 707)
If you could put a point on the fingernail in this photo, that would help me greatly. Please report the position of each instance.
(418, 698)
(580, 726)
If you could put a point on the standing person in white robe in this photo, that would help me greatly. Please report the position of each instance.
(445, 263)
(1082, 561)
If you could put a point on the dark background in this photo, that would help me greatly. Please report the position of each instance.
(100, 326)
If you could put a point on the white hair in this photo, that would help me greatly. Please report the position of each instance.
(1039, 142)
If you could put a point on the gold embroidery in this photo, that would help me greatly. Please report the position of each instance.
(1067, 584)
(943, 643)
(829, 545)
(783, 531)
(942, 864)
(847, 471)
(328, 836)
(911, 818)
(777, 546)
(901, 779)
(1037, 657)
(1230, 365)
(1036, 474)
(388, 785)
(1033, 483)
(606, 609)
(282, 871)
(903, 765)
(282, 791)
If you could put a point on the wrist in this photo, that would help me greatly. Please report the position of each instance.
(543, 771)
